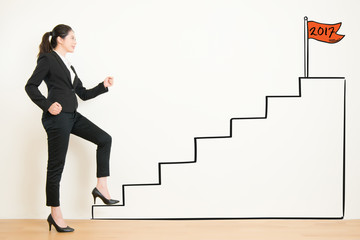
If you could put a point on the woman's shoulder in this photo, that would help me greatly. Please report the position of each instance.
(46, 56)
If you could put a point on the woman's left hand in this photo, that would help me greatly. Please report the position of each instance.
(109, 81)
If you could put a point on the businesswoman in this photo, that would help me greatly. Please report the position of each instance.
(60, 117)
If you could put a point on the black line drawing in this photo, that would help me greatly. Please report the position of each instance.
(160, 164)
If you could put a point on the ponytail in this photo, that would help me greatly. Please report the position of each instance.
(47, 45)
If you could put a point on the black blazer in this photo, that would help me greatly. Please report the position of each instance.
(56, 75)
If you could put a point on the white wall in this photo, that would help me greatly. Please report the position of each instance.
(194, 63)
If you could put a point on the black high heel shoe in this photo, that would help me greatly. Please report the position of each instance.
(96, 193)
(59, 229)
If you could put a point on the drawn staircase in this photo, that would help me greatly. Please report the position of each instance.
(286, 164)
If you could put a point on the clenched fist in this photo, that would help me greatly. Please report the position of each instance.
(55, 108)
(109, 81)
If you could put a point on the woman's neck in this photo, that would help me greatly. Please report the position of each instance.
(61, 51)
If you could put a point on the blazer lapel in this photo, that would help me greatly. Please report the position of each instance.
(76, 77)
(63, 66)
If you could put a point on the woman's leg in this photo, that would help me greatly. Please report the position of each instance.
(58, 131)
(58, 141)
(84, 128)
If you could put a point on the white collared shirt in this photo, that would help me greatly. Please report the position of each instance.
(68, 65)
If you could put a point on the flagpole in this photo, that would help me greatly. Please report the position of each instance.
(306, 48)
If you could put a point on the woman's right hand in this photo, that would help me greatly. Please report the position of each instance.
(55, 108)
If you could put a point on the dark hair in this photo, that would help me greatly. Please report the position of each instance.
(47, 46)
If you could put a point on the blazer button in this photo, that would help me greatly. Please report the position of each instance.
(73, 90)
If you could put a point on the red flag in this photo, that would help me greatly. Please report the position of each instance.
(324, 32)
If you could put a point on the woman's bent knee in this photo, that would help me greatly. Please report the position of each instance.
(105, 140)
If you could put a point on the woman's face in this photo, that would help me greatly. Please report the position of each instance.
(68, 43)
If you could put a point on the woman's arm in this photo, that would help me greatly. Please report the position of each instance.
(31, 87)
(86, 94)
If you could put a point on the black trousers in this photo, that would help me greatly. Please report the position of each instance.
(58, 129)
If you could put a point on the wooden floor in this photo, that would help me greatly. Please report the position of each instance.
(175, 230)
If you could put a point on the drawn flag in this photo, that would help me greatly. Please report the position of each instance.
(324, 32)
